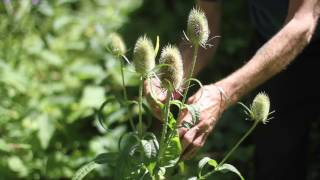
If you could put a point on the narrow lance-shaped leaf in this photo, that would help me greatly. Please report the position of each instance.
(228, 167)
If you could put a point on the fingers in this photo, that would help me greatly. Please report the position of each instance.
(188, 137)
(154, 87)
(177, 94)
(195, 135)
(195, 97)
(189, 153)
(194, 146)
(195, 138)
(182, 131)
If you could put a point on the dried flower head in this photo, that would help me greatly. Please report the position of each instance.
(172, 70)
(197, 28)
(260, 108)
(116, 44)
(143, 55)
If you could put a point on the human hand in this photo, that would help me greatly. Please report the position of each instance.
(154, 85)
(212, 103)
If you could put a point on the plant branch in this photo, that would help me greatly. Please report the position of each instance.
(194, 59)
(233, 149)
(166, 117)
(140, 106)
(125, 94)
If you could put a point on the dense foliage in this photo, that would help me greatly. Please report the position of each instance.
(54, 72)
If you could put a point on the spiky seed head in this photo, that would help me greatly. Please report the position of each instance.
(116, 44)
(260, 107)
(143, 55)
(197, 28)
(172, 70)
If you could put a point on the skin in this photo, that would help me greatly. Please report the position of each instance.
(274, 56)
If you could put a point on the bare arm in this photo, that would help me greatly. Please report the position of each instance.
(270, 59)
(277, 53)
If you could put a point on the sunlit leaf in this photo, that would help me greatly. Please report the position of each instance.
(92, 96)
(228, 167)
(17, 165)
(204, 161)
(207, 160)
(172, 151)
(46, 130)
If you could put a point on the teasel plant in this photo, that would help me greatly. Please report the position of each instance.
(258, 112)
(117, 48)
(133, 144)
(140, 154)
(171, 76)
(144, 62)
(197, 34)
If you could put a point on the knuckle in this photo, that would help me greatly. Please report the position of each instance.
(206, 125)
(187, 139)
(197, 144)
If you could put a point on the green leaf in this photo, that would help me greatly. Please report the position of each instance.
(84, 170)
(207, 160)
(228, 167)
(204, 161)
(152, 140)
(194, 110)
(193, 178)
(172, 122)
(149, 149)
(173, 148)
(51, 58)
(4, 146)
(100, 159)
(177, 103)
(93, 96)
(46, 130)
(17, 165)
(172, 152)
(104, 158)
(129, 165)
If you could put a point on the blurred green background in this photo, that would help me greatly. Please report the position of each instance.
(55, 72)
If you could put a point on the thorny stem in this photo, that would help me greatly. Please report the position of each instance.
(233, 149)
(164, 128)
(194, 59)
(140, 106)
(125, 94)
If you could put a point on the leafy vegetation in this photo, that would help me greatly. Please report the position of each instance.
(61, 92)
(144, 156)
(54, 73)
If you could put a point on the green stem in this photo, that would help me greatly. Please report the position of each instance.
(233, 149)
(164, 128)
(125, 94)
(194, 60)
(140, 106)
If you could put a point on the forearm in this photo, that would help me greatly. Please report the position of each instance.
(271, 58)
(213, 14)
